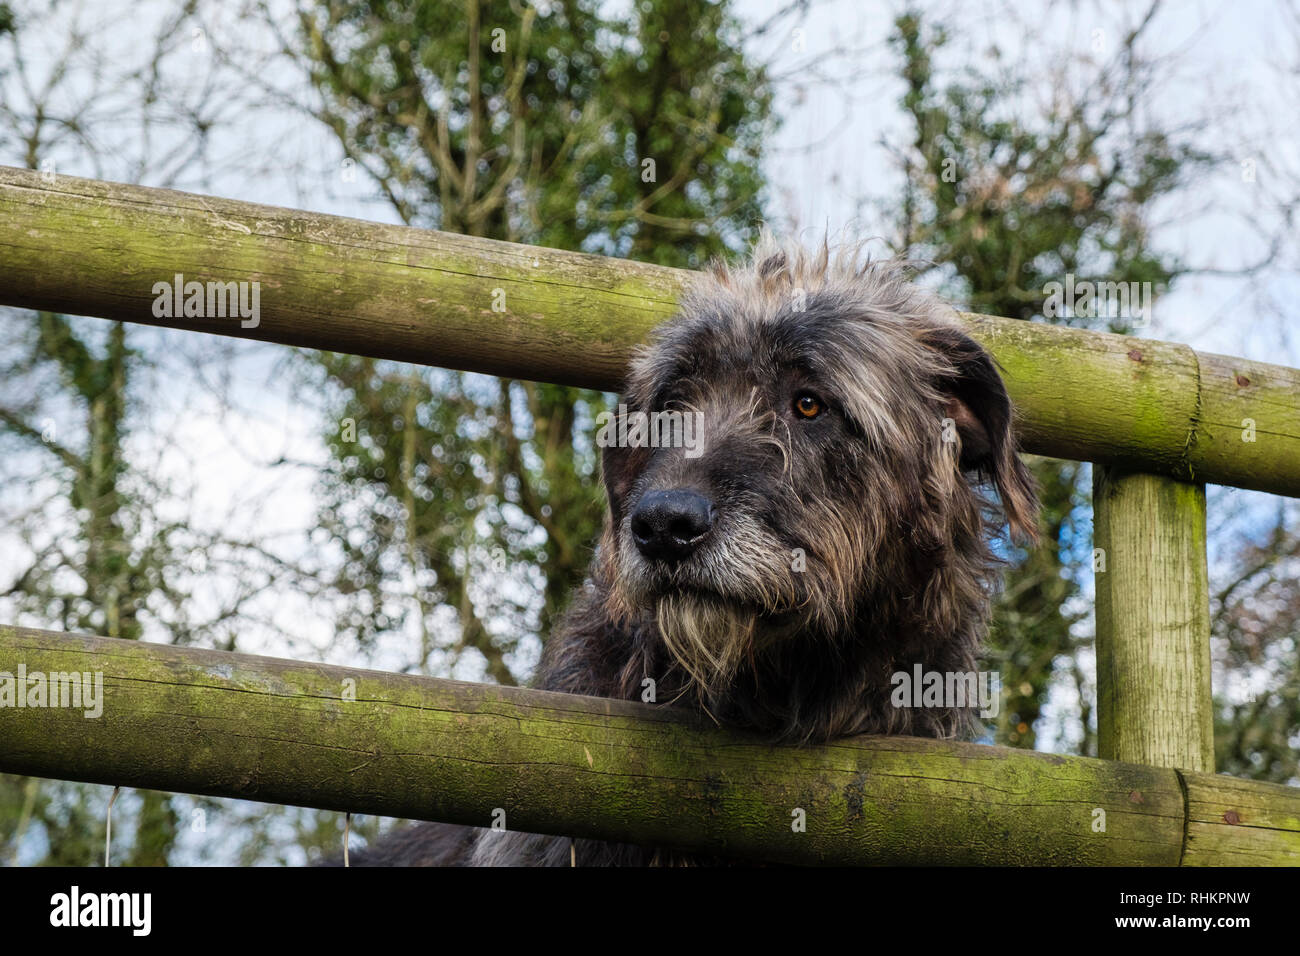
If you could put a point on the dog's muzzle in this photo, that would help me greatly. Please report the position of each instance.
(670, 525)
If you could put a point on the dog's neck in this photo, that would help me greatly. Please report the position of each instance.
(801, 684)
(794, 683)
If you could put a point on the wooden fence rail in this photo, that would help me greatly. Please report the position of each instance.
(234, 725)
(94, 248)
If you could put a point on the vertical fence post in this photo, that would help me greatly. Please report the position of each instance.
(1153, 621)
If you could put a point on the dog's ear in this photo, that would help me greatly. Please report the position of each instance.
(977, 402)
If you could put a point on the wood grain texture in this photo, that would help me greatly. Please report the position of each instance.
(1154, 704)
(234, 725)
(1233, 822)
(94, 248)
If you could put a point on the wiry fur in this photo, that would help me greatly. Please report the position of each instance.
(888, 516)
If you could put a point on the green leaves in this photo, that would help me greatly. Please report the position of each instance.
(636, 134)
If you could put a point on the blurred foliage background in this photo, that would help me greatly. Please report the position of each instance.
(450, 515)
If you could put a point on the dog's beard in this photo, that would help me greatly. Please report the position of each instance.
(725, 605)
(709, 638)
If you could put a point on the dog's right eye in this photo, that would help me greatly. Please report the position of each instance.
(808, 406)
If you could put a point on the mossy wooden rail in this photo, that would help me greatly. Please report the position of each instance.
(234, 725)
(1158, 419)
(94, 248)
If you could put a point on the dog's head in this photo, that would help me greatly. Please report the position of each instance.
(807, 439)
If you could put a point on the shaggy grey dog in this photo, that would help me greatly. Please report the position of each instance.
(828, 530)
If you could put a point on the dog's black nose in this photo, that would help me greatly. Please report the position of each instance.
(670, 524)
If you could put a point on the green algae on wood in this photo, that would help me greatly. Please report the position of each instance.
(1154, 704)
(94, 248)
(234, 725)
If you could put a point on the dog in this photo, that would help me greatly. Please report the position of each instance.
(830, 526)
